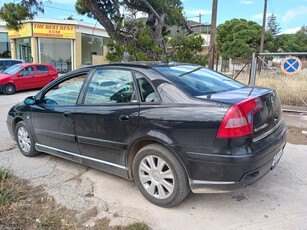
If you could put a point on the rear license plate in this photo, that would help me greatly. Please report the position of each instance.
(276, 158)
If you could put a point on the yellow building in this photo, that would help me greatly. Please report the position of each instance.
(66, 44)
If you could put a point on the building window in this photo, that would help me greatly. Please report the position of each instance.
(56, 52)
(23, 49)
(5, 48)
(91, 45)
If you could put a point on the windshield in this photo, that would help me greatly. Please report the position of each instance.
(13, 69)
(197, 80)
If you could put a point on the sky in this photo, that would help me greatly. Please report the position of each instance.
(291, 14)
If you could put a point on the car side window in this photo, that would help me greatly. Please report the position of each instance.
(147, 92)
(110, 86)
(66, 93)
(1, 65)
(27, 71)
(42, 69)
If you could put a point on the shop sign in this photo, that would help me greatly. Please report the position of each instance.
(53, 30)
(25, 31)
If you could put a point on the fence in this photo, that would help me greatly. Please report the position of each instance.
(264, 69)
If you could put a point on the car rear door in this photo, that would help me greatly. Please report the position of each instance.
(43, 76)
(106, 119)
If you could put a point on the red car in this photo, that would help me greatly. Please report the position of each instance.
(26, 76)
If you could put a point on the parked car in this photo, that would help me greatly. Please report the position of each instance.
(171, 128)
(26, 76)
(5, 63)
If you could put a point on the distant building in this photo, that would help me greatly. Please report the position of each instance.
(5, 46)
(66, 44)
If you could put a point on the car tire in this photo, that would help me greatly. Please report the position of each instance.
(160, 176)
(25, 140)
(9, 89)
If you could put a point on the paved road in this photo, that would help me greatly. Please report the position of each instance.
(6, 102)
(278, 201)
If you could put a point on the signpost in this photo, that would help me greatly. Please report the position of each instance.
(291, 65)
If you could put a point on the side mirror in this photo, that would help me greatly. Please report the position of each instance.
(20, 74)
(30, 100)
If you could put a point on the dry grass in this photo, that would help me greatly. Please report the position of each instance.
(289, 87)
(25, 207)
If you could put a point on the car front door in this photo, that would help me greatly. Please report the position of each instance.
(25, 79)
(53, 119)
(106, 119)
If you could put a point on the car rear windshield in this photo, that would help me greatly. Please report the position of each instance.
(198, 80)
(13, 69)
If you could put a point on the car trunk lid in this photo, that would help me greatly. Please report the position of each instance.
(265, 119)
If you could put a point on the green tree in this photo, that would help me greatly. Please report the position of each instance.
(238, 38)
(292, 42)
(161, 13)
(147, 40)
(187, 49)
(273, 26)
(301, 39)
(269, 42)
(14, 13)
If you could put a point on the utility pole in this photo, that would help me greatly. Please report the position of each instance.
(213, 34)
(263, 27)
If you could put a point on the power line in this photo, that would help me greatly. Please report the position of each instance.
(52, 7)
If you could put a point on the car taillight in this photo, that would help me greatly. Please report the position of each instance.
(238, 120)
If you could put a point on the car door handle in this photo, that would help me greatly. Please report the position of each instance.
(67, 113)
(125, 117)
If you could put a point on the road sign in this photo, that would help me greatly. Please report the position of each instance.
(291, 65)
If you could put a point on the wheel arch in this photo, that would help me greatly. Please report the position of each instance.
(15, 122)
(139, 144)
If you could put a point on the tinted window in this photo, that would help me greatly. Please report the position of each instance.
(147, 92)
(110, 86)
(65, 93)
(197, 80)
(27, 71)
(1, 65)
(42, 69)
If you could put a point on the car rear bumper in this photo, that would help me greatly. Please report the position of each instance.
(227, 173)
(247, 179)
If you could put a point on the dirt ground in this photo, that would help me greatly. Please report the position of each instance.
(23, 206)
(296, 127)
(295, 135)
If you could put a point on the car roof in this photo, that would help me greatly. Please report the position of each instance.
(10, 59)
(143, 64)
(30, 64)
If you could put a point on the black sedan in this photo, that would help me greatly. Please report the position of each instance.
(171, 128)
